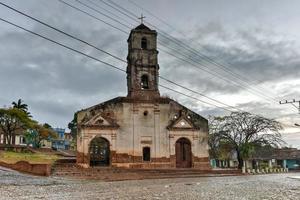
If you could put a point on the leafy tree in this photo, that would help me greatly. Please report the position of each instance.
(243, 132)
(46, 125)
(17, 120)
(213, 143)
(219, 150)
(73, 127)
(22, 106)
(38, 133)
(13, 121)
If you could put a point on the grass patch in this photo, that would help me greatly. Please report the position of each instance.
(33, 158)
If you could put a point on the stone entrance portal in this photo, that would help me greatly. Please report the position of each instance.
(99, 152)
(183, 153)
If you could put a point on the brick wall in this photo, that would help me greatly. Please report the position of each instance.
(24, 166)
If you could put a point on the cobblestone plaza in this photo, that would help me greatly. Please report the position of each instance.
(14, 185)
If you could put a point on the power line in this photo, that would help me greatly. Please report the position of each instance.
(159, 19)
(133, 14)
(206, 58)
(80, 10)
(108, 63)
(177, 56)
(101, 13)
(98, 60)
(184, 35)
(199, 93)
(236, 75)
(101, 50)
(112, 7)
(205, 68)
(62, 32)
(160, 77)
(169, 53)
(110, 12)
(176, 41)
(120, 11)
(193, 97)
(62, 45)
(188, 57)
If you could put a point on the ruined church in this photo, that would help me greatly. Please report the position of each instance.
(143, 129)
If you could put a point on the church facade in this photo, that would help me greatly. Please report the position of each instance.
(143, 129)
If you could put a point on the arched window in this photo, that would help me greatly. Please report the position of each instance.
(144, 43)
(146, 154)
(145, 82)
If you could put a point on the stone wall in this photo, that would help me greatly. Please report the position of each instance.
(24, 166)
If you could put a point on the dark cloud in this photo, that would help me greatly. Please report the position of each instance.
(258, 60)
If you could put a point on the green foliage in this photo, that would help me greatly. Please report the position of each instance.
(14, 121)
(46, 125)
(15, 114)
(246, 150)
(219, 149)
(73, 126)
(21, 106)
(17, 120)
(38, 133)
(225, 150)
(243, 132)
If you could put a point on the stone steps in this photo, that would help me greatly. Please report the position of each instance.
(65, 172)
(128, 176)
(65, 169)
(72, 168)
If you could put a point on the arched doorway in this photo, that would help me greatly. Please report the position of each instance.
(99, 152)
(183, 153)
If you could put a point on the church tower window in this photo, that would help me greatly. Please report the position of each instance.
(145, 82)
(144, 43)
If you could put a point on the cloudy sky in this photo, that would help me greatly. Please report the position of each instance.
(254, 47)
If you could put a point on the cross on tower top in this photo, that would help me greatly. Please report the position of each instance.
(142, 18)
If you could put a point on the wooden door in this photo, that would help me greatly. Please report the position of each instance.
(183, 153)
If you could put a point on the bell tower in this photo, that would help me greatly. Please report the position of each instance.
(142, 68)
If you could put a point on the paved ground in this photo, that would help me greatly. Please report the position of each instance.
(277, 186)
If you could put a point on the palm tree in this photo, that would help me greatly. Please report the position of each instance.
(21, 106)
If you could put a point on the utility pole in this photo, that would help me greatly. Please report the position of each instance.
(293, 102)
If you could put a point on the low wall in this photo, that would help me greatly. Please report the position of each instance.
(24, 166)
(15, 148)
